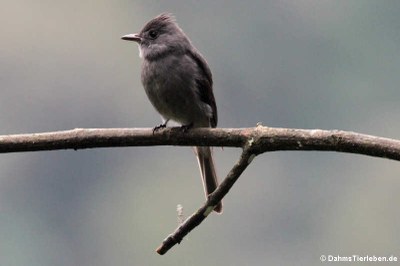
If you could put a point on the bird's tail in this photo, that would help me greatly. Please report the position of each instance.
(207, 171)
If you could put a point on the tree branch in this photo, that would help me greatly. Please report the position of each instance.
(254, 141)
(196, 218)
(264, 138)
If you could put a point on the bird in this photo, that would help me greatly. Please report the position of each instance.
(179, 85)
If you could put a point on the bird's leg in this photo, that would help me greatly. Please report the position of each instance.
(160, 126)
(185, 128)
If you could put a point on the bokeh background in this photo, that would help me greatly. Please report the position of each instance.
(301, 64)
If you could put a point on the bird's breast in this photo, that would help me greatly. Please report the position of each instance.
(171, 88)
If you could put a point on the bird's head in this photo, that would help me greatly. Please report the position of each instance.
(159, 37)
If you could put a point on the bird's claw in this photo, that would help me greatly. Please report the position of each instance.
(157, 128)
(185, 128)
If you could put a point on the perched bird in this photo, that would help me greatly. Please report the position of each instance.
(178, 83)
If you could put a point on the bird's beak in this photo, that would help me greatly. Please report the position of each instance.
(132, 37)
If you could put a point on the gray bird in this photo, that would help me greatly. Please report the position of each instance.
(178, 83)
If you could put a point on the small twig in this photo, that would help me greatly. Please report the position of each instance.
(196, 218)
(181, 217)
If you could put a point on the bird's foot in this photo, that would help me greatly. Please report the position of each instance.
(185, 128)
(160, 126)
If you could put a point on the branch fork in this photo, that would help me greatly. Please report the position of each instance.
(253, 141)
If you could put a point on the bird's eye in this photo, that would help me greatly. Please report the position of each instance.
(153, 34)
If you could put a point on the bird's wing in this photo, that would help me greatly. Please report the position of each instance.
(205, 85)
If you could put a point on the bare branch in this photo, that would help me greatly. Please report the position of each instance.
(264, 139)
(196, 218)
(254, 141)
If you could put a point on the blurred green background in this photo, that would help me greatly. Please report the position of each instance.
(304, 63)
